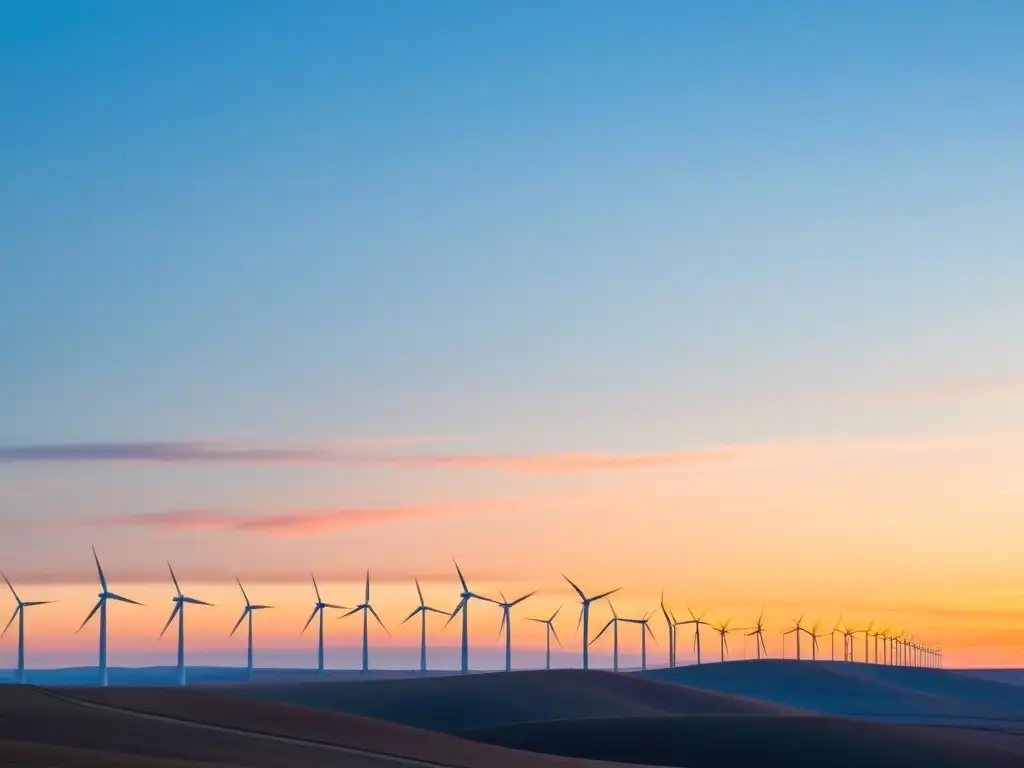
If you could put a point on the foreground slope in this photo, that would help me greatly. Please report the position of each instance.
(453, 704)
(719, 741)
(863, 690)
(129, 726)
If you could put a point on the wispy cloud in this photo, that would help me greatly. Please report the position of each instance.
(302, 522)
(345, 454)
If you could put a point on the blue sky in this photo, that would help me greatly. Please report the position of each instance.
(537, 226)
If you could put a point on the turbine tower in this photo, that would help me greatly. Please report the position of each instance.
(549, 630)
(318, 608)
(247, 614)
(585, 616)
(179, 601)
(506, 624)
(697, 621)
(877, 635)
(832, 638)
(367, 609)
(423, 609)
(19, 614)
(463, 606)
(814, 641)
(723, 630)
(613, 622)
(758, 634)
(101, 606)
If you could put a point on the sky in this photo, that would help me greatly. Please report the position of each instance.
(716, 299)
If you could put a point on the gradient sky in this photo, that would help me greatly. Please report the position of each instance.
(723, 299)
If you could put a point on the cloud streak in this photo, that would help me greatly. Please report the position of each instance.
(301, 522)
(234, 453)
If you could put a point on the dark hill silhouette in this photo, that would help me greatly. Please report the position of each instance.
(724, 741)
(452, 704)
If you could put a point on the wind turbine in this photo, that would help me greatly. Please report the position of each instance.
(814, 641)
(697, 621)
(585, 616)
(723, 630)
(645, 627)
(847, 643)
(318, 607)
(506, 624)
(797, 629)
(179, 601)
(549, 630)
(423, 609)
(367, 609)
(101, 606)
(19, 614)
(613, 622)
(832, 638)
(877, 635)
(670, 628)
(463, 606)
(247, 613)
(758, 634)
(867, 634)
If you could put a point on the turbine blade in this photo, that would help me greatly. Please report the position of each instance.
(605, 594)
(38, 602)
(454, 613)
(121, 599)
(418, 609)
(357, 609)
(370, 607)
(240, 619)
(13, 617)
(243, 590)
(419, 591)
(174, 579)
(259, 607)
(336, 607)
(316, 588)
(517, 602)
(91, 614)
(99, 569)
(177, 607)
(367, 600)
(501, 627)
(484, 598)
(579, 622)
(613, 609)
(435, 610)
(553, 632)
(11, 586)
(648, 628)
(610, 622)
(502, 595)
(555, 613)
(578, 590)
(310, 619)
(195, 601)
(465, 587)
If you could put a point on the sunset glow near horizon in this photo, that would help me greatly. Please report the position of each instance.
(720, 302)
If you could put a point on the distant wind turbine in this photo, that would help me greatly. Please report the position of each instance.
(832, 638)
(506, 624)
(613, 622)
(697, 622)
(814, 641)
(549, 630)
(318, 608)
(101, 606)
(877, 635)
(796, 630)
(723, 630)
(247, 614)
(585, 616)
(179, 601)
(463, 606)
(847, 643)
(645, 628)
(367, 609)
(423, 609)
(19, 614)
(671, 630)
(758, 634)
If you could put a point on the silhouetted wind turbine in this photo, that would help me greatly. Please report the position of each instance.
(101, 606)
(697, 622)
(179, 601)
(423, 609)
(832, 638)
(877, 635)
(847, 643)
(367, 609)
(797, 629)
(671, 630)
(723, 630)
(318, 608)
(19, 614)
(645, 628)
(247, 613)
(613, 622)
(585, 616)
(867, 635)
(463, 606)
(506, 624)
(758, 635)
(814, 641)
(549, 630)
